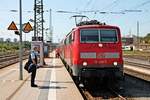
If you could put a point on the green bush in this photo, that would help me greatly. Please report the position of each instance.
(4, 47)
(12, 47)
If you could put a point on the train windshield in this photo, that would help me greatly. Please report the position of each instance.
(89, 36)
(96, 35)
(108, 36)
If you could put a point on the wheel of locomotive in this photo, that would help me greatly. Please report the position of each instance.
(86, 82)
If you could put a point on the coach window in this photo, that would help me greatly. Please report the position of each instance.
(70, 38)
(65, 41)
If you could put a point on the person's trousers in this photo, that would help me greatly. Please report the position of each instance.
(33, 74)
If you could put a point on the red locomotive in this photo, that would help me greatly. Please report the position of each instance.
(93, 51)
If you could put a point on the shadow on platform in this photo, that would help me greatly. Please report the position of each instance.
(51, 66)
(53, 81)
(51, 87)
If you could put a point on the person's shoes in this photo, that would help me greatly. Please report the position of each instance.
(34, 85)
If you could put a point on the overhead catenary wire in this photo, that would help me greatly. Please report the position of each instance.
(87, 4)
(134, 9)
(138, 9)
(142, 4)
(111, 5)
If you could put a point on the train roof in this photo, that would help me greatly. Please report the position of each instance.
(92, 24)
(95, 26)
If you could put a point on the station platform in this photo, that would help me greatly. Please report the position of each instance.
(53, 80)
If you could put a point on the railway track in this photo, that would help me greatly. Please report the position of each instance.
(7, 60)
(107, 93)
(134, 89)
(137, 68)
(117, 94)
(139, 74)
(112, 94)
(137, 62)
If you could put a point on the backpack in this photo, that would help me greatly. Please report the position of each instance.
(29, 67)
(26, 67)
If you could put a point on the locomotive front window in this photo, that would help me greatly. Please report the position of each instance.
(108, 36)
(89, 36)
(98, 35)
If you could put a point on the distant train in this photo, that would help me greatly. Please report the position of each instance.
(128, 48)
(93, 50)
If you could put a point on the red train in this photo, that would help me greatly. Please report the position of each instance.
(93, 51)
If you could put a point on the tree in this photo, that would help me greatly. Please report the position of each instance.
(147, 38)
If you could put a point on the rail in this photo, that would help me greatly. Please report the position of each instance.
(114, 95)
(137, 69)
(9, 59)
(137, 64)
(117, 94)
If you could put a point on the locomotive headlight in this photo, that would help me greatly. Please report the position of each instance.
(100, 45)
(84, 63)
(115, 63)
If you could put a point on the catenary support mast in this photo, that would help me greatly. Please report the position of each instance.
(38, 19)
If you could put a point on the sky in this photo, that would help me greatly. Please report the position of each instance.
(63, 23)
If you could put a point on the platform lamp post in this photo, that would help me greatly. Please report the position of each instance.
(20, 43)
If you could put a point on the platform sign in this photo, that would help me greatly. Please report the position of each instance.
(27, 28)
(12, 26)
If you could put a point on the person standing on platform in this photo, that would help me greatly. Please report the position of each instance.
(33, 59)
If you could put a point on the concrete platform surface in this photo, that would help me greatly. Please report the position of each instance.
(53, 80)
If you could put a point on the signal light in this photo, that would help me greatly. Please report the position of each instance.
(17, 33)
